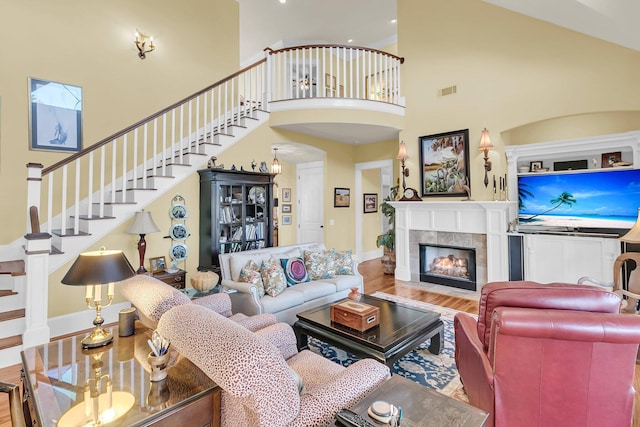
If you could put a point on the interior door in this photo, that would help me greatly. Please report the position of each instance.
(310, 202)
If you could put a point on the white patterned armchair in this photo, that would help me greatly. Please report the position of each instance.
(152, 298)
(260, 373)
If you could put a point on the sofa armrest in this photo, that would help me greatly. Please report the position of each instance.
(473, 364)
(220, 303)
(281, 335)
(255, 323)
(244, 299)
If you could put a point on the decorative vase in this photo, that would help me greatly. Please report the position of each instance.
(204, 281)
(389, 262)
(354, 294)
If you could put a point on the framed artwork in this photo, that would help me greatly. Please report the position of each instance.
(286, 208)
(158, 264)
(55, 116)
(445, 163)
(535, 166)
(286, 219)
(341, 197)
(376, 87)
(609, 160)
(286, 194)
(329, 85)
(370, 202)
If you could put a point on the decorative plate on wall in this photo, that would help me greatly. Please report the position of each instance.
(178, 211)
(179, 251)
(178, 232)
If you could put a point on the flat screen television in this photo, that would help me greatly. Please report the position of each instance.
(602, 201)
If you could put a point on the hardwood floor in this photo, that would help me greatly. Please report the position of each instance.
(374, 280)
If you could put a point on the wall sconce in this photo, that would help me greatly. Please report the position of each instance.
(485, 146)
(276, 167)
(141, 44)
(402, 156)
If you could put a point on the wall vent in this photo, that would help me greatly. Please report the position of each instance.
(448, 90)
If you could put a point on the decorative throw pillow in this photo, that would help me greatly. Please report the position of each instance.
(273, 277)
(344, 262)
(250, 273)
(294, 270)
(320, 264)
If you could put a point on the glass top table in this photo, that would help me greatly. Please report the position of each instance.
(401, 329)
(68, 385)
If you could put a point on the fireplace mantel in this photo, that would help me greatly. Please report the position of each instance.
(477, 217)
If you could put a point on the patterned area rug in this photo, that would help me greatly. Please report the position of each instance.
(438, 372)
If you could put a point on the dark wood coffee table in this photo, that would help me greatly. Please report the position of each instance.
(401, 329)
(421, 406)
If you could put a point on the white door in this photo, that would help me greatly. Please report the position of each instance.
(310, 202)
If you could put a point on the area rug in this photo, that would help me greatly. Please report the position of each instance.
(437, 372)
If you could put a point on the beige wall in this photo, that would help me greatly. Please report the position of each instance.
(90, 44)
(510, 71)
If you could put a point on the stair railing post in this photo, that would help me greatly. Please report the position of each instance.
(267, 83)
(34, 188)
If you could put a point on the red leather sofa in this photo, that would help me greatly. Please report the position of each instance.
(548, 355)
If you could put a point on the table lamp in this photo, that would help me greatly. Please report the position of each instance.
(94, 269)
(142, 224)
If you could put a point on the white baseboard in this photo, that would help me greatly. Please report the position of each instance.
(366, 256)
(81, 320)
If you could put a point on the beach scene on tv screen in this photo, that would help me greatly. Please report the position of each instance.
(603, 199)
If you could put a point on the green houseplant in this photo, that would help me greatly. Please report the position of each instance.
(388, 239)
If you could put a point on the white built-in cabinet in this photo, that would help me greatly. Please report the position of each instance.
(566, 258)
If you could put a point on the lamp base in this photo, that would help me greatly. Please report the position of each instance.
(99, 337)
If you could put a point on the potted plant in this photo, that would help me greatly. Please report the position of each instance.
(388, 239)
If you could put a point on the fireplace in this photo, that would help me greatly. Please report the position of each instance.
(448, 265)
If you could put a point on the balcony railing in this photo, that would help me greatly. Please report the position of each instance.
(333, 71)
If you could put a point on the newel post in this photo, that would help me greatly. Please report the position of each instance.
(268, 80)
(37, 249)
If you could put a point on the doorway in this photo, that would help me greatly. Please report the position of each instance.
(381, 225)
(310, 202)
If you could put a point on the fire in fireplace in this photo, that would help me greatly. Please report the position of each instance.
(448, 265)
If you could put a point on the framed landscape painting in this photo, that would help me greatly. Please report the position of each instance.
(444, 159)
(55, 116)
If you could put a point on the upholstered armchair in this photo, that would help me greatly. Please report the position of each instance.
(152, 298)
(548, 355)
(262, 385)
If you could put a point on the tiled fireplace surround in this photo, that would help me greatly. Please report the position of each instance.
(479, 225)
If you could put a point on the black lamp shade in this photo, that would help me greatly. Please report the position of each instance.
(99, 268)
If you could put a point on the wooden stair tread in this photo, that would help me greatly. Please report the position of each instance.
(15, 267)
(68, 232)
(10, 315)
(7, 293)
(9, 342)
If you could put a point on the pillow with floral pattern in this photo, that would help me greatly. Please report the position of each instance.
(250, 273)
(273, 277)
(343, 261)
(319, 264)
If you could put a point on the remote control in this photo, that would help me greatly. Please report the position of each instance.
(351, 419)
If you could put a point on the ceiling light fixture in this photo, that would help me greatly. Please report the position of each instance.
(276, 167)
(350, 41)
(282, 1)
(393, 21)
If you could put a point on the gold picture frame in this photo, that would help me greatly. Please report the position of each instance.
(157, 264)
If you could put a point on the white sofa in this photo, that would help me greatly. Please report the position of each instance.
(295, 299)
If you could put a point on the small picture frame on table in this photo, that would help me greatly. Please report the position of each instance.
(158, 264)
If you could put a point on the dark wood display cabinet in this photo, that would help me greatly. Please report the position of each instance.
(235, 213)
